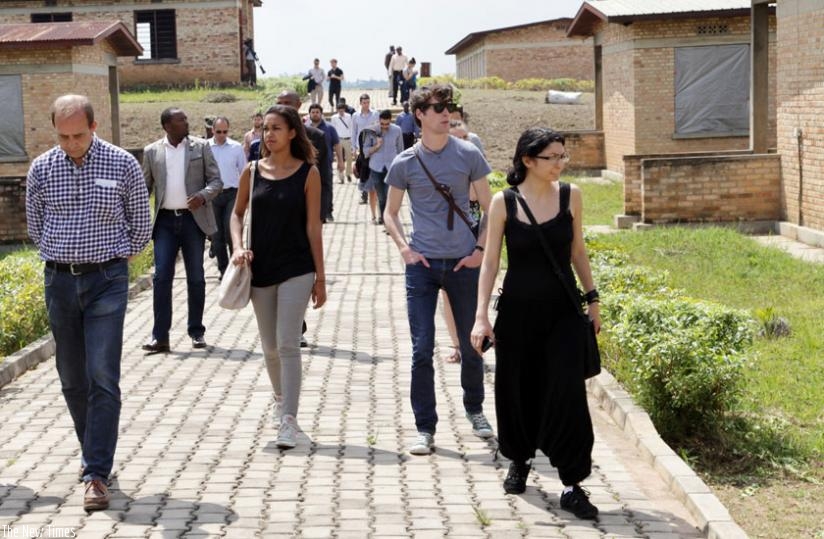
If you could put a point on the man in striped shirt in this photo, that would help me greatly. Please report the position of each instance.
(87, 211)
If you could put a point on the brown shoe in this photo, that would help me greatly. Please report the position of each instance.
(97, 495)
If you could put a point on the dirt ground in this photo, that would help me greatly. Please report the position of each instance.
(497, 116)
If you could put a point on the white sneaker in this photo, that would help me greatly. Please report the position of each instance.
(423, 444)
(480, 426)
(288, 433)
(277, 411)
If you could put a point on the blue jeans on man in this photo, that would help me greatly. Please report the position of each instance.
(86, 314)
(379, 183)
(422, 287)
(223, 206)
(176, 230)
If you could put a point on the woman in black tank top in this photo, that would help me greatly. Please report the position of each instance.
(286, 253)
(541, 401)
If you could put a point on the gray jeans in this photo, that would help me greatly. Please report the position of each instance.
(279, 310)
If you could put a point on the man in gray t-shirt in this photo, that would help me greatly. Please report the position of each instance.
(443, 254)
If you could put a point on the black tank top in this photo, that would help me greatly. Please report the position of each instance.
(279, 241)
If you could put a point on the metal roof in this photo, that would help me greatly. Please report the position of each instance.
(476, 36)
(69, 34)
(593, 11)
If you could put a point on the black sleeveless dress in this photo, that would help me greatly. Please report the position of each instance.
(540, 396)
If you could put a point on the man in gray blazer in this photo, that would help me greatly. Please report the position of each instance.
(185, 177)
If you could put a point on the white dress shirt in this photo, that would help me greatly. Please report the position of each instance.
(176, 196)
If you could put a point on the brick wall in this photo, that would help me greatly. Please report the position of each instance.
(586, 149)
(208, 39)
(12, 207)
(800, 94)
(535, 51)
(711, 189)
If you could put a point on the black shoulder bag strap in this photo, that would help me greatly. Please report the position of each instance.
(573, 294)
(443, 190)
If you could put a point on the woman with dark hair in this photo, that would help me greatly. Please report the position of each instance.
(286, 253)
(541, 401)
(410, 80)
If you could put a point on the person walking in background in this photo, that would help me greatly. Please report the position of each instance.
(288, 272)
(323, 162)
(253, 134)
(540, 396)
(330, 136)
(335, 77)
(250, 57)
(381, 151)
(397, 66)
(366, 117)
(317, 76)
(443, 253)
(459, 115)
(409, 80)
(185, 178)
(409, 128)
(87, 211)
(342, 122)
(230, 160)
(387, 60)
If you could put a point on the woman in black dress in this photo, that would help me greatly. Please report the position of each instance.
(540, 395)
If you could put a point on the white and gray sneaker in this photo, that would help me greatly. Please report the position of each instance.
(287, 433)
(423, 445)
(277, 411)
(480, 426)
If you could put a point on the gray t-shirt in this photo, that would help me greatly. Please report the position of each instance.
(456, 165)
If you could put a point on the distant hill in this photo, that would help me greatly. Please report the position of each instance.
(366, 84)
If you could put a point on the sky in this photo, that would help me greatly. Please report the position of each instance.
(358, 34)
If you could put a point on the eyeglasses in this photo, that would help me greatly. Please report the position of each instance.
(554, 158)
(439, 107)
(221, 132)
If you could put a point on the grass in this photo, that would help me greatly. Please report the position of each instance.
(177, 95)
(726, 267)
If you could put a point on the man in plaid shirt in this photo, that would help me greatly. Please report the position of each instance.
(87, 210)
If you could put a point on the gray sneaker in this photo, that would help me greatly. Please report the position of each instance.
(287, 433)
(480, 426)
(423, 444)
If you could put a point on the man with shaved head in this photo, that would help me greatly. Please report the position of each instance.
(87, 211)
(318, 138)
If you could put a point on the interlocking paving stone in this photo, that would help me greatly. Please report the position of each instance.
(196, 454)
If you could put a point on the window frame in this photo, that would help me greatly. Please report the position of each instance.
(162, 48)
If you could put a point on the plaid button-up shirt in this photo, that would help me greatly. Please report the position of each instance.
(89, 213)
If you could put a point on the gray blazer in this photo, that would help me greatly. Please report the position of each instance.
(201, 172)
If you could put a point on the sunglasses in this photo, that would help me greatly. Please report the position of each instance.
(563, 158)
(221, 132)
(439, 107)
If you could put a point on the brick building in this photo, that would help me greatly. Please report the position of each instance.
(800, 97)
(183, 40)
(673, 103)
(535, 50)
(37, 64)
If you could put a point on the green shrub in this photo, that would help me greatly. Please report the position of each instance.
(682, 358)
(22, 308)
(219, 97)
(272, 86)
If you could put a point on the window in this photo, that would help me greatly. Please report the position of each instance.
(712, 90)
(155, 31)
(12, 146)
(51, 17)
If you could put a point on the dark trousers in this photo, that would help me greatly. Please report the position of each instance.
(397, 80)
(408, 140)
(173, 233)
(334, 91)
(223, 206)
(86, 314)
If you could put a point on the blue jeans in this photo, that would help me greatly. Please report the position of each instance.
(86, 314)
(422, 287)
(379, 183)
(173, 233)
(223, 205)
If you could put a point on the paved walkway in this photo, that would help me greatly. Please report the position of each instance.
(196, 456)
